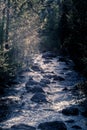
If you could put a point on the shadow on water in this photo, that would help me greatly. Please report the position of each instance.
(54, 77)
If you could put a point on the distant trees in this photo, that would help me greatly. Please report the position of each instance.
(7, 21)
(50, 18)
(4, 21)
(9, 10)
(63, 23)
(2, 24)
(73, 32)
(14, 14)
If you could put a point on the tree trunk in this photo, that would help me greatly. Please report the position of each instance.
(2, 29)
(7, 22)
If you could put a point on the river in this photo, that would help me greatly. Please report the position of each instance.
(41, 93)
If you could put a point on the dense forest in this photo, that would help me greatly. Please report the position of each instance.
(43, 64)
(63, 24)
(73, 33)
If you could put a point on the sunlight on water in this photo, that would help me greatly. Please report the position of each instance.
(15, 119)
(12, 121)
(33, 113)
(62, 104)
(15, 98)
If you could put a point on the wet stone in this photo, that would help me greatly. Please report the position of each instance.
(34, 89)
(13, 82)
(42, 84)
(62, 59)
(4, 112)
(7, 106)
(4, 129)
(59, 78)
(49, 76)
(21, 76)
(31, 82)
(84, 113)
(65, 89)
(56, 125)
(47, 61)
(36, 68)
(77, 127)
(22, 127)
(39, 98)
(2, 91)
(70, 121)
(49, 55)
(66, 68)
(45, 81)
(70, 111)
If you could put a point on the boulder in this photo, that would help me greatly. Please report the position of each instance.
(59, 78)
(13, 82)
(36, 68)
(84, 113)
(39, 98)
(31, 82)
(70, 121)
(47, 61)
(70, 111)
(77, 127)
(49, 55)
(2, 91)
(62, 59)
(22, 127)
(45, 81)
(4, 112)
(42, 84)
(65, 89)
(34, 89)
(55, 125)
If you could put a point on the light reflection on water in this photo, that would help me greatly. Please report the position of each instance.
(14, 98)
(33, 113)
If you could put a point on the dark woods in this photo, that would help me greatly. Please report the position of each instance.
(73, 31)
(62, 24)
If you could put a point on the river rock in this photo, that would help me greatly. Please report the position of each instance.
(7, 106)
(2, 90)
(77, 127)
(70, 121)
(62, 59)
(45, 81)
(47, 61)
(22, 127)
(84, 113)
(59, 78)
(4, 112)
(31, 82)
(13, 82)
(42, 84)
(49, 76)
(49, 55)
(65, 89)
(55, 125)
(39, 98)
(70, 111)
(36, 68)
(34, 89)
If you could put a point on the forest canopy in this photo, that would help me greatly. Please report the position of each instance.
(59, 24)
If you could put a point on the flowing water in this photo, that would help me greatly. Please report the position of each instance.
(56, 77)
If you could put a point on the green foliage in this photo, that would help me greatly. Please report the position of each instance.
(8, 66)
(50, 20)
